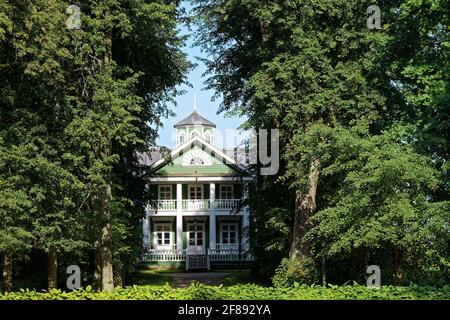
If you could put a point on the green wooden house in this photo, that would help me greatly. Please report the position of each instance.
(199, 217)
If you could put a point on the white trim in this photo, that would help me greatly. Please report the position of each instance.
(200, 179)
(187, 144)
(192, 154)
(159, 191)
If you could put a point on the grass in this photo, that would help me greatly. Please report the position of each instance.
(159, 277)
(151, 277)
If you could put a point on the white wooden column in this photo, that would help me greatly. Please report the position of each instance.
(146, 229)
(245, 219)
(179, 217)
(212, 216)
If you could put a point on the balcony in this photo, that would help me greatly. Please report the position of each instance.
(195, 205)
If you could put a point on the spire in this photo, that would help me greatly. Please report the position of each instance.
(195, 102)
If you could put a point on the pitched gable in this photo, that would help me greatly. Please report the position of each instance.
(197, 157)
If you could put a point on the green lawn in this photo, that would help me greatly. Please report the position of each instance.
(161, 277)
(151, 277)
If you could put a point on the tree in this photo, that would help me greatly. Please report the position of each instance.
(83, 103)
(119, 96)
(298, 66)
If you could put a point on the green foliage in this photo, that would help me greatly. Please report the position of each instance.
(293, 272)
(368, 107)
(198, 291)
(77, 107)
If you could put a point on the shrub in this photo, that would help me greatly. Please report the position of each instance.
(197, 291)
(290, 272)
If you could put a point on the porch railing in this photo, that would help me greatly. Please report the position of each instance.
(227, 252)
(226, 204)
(221, 252)
(162, 253)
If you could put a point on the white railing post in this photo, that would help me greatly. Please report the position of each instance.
(146, 230)
(212, 216)
(179, 217)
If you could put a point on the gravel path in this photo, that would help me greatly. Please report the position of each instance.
(182, 280)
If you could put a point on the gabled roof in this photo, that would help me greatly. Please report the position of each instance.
(186, 146)
(194, 119)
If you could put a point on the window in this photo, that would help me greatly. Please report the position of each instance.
(194, 134)
(165, 192)
(226, 191)
(195, 192)
(163, 234)
(228, 233)
(196, 162)
(208, 137)
(195, 234)
(181, 138)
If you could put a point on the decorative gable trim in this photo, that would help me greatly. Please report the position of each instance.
(215, 152)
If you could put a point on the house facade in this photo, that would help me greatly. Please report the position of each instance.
(198, 217)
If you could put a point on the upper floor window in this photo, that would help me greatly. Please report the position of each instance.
(165, 192)
(208, 137)
(197, 161)
(194, 134)
(226, 191)
(181, 138)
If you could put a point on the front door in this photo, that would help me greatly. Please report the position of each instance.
(196, 238)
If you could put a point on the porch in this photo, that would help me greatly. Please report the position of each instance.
(196, 242)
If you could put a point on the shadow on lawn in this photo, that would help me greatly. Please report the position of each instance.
(161, 277)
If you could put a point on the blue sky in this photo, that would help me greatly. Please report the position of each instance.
(205, 106)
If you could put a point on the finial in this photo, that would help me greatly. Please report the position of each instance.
(195, 101)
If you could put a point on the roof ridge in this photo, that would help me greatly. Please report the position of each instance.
(195, 119)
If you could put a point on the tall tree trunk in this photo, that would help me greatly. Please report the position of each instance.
(98, 267)
(398, 276)
(106, 243)
(7, 273)
(52, 268)
(305, 206)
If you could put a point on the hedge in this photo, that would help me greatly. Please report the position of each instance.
(197, 291)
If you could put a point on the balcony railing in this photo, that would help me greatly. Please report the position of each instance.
(226, 204)
(194, 205)
(164, 205)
